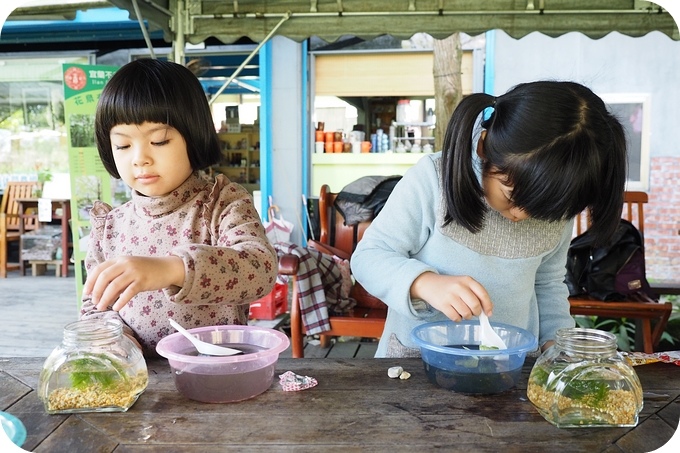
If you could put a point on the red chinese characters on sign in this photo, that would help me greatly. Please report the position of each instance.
(75, 78)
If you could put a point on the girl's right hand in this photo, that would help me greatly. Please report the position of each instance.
(458, 297)
(114, 282)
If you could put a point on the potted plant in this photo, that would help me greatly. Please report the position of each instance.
(43, 176)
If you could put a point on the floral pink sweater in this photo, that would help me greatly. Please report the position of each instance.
(214, 228)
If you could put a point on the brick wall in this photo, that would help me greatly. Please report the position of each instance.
(662, 220)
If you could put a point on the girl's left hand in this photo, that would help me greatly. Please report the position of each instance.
(113, 283)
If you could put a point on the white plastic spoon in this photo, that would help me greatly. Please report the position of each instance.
(488, 336)
(202, 346)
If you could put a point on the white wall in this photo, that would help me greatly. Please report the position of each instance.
(613, 64)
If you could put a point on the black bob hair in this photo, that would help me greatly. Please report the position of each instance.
(157, 91)
(555, 142)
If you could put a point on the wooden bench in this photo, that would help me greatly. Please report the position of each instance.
(367, 319)
(665, 287)
(10, 221)
(39, 267)
(651, 317)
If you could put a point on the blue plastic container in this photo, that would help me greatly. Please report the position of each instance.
(13, 427)
(453, 360)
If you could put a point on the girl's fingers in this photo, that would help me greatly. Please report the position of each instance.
(483, 298)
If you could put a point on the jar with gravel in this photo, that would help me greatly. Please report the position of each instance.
(583, 381)
(95, 369)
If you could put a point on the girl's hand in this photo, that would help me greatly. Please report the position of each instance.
(114, 282)
(458, 297)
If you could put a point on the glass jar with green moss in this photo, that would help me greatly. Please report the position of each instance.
(95, 369)
(583, 381)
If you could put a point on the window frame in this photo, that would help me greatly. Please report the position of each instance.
(639, 146)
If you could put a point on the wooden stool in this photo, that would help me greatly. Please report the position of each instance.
(39, 267)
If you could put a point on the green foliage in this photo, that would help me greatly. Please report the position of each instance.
(35, 133)
(539, 376)
(89, 371)
(44, 176)
(594, 392)
(623, 328)
(82, 131)
(670, 339)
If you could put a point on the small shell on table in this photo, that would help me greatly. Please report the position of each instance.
(395, 372)
(404, 375)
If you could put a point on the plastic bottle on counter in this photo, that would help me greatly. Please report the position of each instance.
(379, 140)
(385, 143)
(430, 118)
(403, 107)
(392, 135)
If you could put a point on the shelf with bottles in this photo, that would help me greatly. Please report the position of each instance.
(246, 140)
(413, 145)
(412, 137)
(241, 157)
(421, 124)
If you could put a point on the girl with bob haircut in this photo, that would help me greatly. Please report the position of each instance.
(183, 247)
(160, 92)
(486, 223)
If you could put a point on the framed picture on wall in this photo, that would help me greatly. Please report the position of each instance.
(634, 112)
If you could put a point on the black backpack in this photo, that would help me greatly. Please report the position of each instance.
(615, 271)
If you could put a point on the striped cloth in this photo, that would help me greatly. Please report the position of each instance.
(320, 286)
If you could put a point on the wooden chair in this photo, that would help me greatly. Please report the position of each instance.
(367, 319)
(10, 222)
(644, 313)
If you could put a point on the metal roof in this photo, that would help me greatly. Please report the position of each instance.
(229, 21)
(331, 19)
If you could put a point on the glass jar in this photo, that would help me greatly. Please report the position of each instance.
(583, 381)
(95, 369)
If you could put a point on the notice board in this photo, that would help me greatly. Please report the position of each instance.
(88, 178)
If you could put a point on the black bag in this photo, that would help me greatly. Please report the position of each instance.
(363, 199)
(615, 271)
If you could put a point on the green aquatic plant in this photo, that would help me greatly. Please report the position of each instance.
(593, 392)
(88, 371)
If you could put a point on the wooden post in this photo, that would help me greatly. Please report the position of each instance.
(448, 89)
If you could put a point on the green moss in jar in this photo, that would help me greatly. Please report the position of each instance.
(95, 369)
(85, 373)
(583, 381)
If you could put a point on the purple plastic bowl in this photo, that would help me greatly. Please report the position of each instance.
(213, 379)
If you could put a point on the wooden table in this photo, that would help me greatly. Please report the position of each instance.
(355, 408)
(26, 204)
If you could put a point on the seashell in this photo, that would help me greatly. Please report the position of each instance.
(395, 372)
(404, 375)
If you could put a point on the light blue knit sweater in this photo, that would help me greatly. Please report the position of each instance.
(521, 264)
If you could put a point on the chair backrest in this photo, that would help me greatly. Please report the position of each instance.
(633, 211)
(333, 230)
(10, 206)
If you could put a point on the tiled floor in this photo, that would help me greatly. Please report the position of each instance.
(34, 310)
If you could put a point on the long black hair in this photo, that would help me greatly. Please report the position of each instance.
(157, 91)
(555, 142)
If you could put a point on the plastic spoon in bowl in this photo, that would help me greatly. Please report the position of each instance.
(488, 338)
(203, 347)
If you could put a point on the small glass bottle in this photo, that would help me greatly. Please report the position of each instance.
(95, 369)
(583, 381)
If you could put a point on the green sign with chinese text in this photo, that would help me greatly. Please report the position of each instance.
(89, 180)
